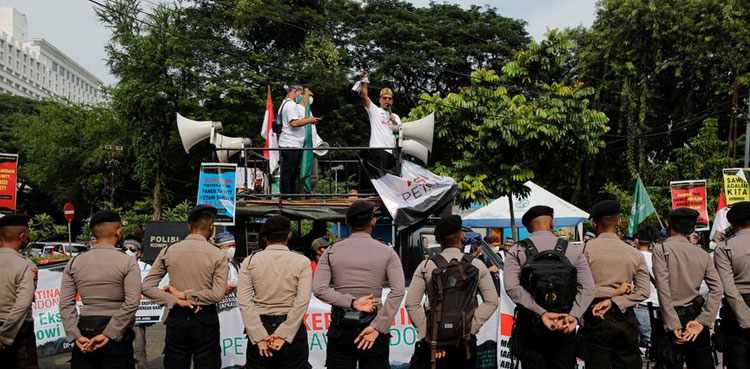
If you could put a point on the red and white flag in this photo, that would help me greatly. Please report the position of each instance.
(267, 133)
(720, 220)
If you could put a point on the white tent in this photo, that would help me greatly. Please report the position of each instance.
(497, 213)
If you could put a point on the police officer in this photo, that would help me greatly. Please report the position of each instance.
(274, 291)
(679, 269)
(610, 321)
(350, 277)
(732, 260)
(132, 247)
(198, 279)
(448, 233)
(18, 278)
(109, 284)
(546, 338)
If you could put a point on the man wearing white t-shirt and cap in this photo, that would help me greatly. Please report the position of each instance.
(381, 120)
(292, 136)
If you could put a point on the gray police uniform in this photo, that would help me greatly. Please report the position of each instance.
(679, 269)
(732, 261)
(18, 278)
(109, 284)
(355, 267)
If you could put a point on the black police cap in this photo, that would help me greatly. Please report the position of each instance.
(448, 225)
(360, 208)
(275, 224)
(15, 220)
(683, 214)
(104, 216)
(536, 212)
(202, 209)
(605, 208)
(739, 212)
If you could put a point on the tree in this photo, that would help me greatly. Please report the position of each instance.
(493, 140)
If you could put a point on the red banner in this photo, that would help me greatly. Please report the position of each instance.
(691, 194)
(8, 172)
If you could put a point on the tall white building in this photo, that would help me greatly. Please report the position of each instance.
(36, 69)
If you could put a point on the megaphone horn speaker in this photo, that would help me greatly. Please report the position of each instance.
(420, 130)
(415, 149)
(193, 131)
(225, 142)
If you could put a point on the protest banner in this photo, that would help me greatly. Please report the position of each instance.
(8, 174)
(691, 194)
(160, 234)
(736, 188)
(216, 187)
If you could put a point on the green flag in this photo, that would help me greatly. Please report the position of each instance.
(307, 162)
(642, 208)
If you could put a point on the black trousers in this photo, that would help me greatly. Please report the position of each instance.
(541, 348)
(22, 353)
(292, 355)
(613, 341)
(455, 357)
(736, 340)
(696, 354)
(193, 336)
(342, 352)
(113, 355)
(289, 170)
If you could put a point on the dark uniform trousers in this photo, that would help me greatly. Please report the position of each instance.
(613, 341)
(736, 340)
(455, 357)
(290, 160)
(22, 353)
(696, 354)
(113, 355)
(292, 355)
(342, 352)
(539, 348)
(192, 335)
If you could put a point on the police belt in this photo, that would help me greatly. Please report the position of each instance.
(344, 318)
(690, 312)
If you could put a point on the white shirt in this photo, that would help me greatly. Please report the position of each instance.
(380, 127)
(233, 275)
(291, 136)
(653, 297)
(316, 140)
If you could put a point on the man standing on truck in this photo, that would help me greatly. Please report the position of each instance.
(350, 277)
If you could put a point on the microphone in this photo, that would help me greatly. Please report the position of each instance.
(390, 114)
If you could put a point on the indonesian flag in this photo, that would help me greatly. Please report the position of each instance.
(267, 132)
(720, 220)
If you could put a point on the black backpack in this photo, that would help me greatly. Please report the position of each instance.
(452, 296)
(549, 276)
(278, 122)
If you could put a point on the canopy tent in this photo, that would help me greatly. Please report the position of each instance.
(497, 213)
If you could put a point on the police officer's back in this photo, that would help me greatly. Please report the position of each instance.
(273, 293)
(109, 284)
(543, 338)
(610, 321)
(448, 233)
(18, 278)
(679, 269)
(198, 279)
(350, 277)
(732, 261)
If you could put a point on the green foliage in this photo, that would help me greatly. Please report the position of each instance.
(44, 228)
(496, 139)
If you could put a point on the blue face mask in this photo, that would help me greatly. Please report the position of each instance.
(298, 99)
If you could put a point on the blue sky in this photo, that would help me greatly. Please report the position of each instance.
(72, 26)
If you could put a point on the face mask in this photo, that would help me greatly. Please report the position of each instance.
(298, 99)
(310, 101)
(496, 249)
(230, 252)
(130, 252)
(712, 245)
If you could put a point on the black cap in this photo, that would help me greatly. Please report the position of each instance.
(201, 209)
(683, 214)
(739, 212)
(605, 208)
(359, 209)
(535, 212)
(15, 220)
(447, 225)
(275, 224)
(104, 216)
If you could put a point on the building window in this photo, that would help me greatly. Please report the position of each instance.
(54, 67)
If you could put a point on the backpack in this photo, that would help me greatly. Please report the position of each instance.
(549, 276)
(452, 296)
(278, 122)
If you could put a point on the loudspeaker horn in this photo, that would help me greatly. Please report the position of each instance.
(420, 130)
(225, 142)
(321, 149)
(415, 149)
(193, 131)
